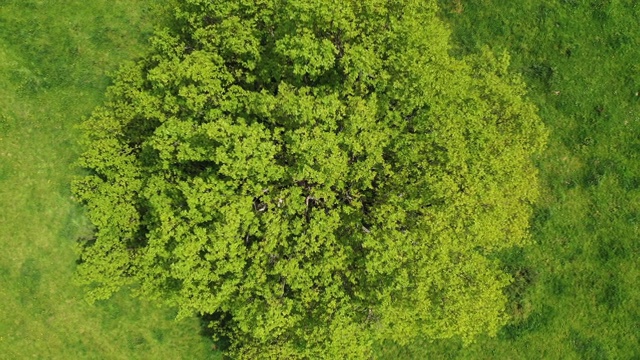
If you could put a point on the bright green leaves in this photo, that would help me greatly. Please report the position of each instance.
(234, 39)
(308, 55)
(317, 178)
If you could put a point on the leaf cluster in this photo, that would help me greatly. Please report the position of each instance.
(319, 176)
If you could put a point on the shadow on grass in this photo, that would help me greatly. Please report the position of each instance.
(30, 277)
(534, 322)
(586, 347)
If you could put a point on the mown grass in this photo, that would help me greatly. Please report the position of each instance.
(575, 294)
(54, 60)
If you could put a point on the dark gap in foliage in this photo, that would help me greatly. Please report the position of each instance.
(214, 326)
(198, 168)
(171, 284)
(85, 241)
(138, 130)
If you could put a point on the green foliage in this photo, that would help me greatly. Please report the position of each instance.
(317, 178)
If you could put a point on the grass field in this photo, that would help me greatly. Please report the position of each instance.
(54, 58)
(576, 294)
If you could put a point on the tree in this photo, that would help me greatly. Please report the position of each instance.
(315, 176)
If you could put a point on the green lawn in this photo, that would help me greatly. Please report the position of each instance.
(54, 59)
(576, 294)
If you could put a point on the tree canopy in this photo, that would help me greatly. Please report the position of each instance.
(316, 176)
